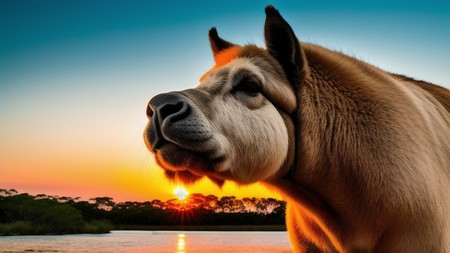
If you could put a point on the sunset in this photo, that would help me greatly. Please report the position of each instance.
(180, 192)
(76, 78)
(73, 95)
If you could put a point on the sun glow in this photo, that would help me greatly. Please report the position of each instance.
(181, 244)
(180, 192)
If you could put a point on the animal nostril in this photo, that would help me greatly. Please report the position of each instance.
(179, 110)
(149, 110)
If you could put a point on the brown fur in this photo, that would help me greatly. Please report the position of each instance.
(363, 140)
(439, 93)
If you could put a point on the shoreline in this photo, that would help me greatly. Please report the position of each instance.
(203, 228)
(229, 228)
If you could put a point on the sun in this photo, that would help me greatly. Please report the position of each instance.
(180, 192)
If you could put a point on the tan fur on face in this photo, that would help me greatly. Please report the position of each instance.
(245, 122)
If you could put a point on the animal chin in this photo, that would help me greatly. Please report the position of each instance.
(187, 177)
(184, 176)
(184, 165)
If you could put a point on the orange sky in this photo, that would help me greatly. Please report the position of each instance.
(80, 160)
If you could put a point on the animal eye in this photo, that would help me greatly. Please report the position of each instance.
(249, 87)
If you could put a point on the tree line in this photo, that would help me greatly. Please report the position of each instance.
(22, 213)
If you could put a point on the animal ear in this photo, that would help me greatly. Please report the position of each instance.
(284, 46)
(217, 44)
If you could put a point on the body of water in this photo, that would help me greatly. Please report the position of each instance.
(151, 241)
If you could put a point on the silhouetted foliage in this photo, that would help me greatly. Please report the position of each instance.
(26, 214)
(43, 214)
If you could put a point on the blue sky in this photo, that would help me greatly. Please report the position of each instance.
(159, 37)
(76, 75)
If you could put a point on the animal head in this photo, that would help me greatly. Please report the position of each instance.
(237, 124)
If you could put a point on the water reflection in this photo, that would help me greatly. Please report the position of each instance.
(181, 244)
(151, 241)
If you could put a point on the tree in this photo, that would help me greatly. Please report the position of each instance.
(105, 203)
(157, 203)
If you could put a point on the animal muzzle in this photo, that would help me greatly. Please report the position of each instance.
(176, 119)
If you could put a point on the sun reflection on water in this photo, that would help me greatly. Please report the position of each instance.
(181, 244)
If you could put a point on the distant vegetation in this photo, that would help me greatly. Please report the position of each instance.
(21, 213)
(26, 214)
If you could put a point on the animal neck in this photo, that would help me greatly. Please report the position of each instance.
(305, 203)
(309, 180)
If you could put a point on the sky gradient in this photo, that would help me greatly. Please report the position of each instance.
(75, 77)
